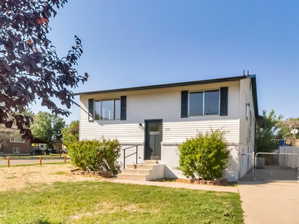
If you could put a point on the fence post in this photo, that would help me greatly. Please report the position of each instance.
(136, 154)
(64, 159)
(8, 161)
(40, 160)
(253, 168)
(124, 158)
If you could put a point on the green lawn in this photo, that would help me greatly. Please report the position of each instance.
(103, 203)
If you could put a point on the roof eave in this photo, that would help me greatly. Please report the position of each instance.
(168, 85)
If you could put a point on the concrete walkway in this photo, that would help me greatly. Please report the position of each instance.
(273, 202)
(177, 185)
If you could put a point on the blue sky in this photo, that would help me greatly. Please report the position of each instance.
(139, 42)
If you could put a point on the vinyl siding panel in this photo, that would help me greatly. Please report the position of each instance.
(125, 133)
(177, 132)
(173, 132)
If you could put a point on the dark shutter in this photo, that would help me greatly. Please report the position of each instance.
(90, 109)
(223, 101)
(123, 107)
(184, 104)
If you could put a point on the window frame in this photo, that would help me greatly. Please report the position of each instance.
(102, 100)
(203, 101)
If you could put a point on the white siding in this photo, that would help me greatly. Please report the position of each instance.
(247, 127)
(177, 132)
(124, 132)
(162, 104)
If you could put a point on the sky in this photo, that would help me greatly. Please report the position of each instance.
(141, 42)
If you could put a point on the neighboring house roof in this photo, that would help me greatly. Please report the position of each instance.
(38, 141)
(177, 84)
(292, 123)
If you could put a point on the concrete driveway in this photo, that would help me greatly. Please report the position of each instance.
(270, 202)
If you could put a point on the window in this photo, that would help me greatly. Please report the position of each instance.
(196, 104)
(117, 109)
(212, 102)
(17, 140)
(107, 109)
(204, 103)
(248, 111)
(16, 149)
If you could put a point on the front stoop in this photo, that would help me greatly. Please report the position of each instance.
(149, 170)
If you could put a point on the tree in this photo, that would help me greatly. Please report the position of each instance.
(30, 67)
(46, 126)
(70, 134)
(266, 132)
(286, 127)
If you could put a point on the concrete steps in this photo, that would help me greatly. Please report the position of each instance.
(139, 171)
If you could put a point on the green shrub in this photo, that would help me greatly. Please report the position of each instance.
(205, 156)
(100, 156)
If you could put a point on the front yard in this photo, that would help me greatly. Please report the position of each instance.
(76, 200)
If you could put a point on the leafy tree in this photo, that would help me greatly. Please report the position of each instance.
(286, 127)
(70, 134)
(30, 67)
(47, 126)
(266, 132)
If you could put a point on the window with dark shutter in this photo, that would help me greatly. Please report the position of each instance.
(196, 104)
(90, 109)
(184, 104)
(123, 107)
(211, 102)
(107, 109)
(224, 101)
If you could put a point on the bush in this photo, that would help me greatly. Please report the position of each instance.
(205, 156)
(100, 156)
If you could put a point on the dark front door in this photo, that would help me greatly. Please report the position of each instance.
(153, 138)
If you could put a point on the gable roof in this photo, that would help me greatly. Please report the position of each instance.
(176, 84)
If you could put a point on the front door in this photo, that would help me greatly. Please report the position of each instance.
(153, 138)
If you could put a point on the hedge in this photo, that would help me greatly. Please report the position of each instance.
(205, 156)
(94, 155)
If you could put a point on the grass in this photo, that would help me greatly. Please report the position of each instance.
(60, 173)
(101, 202)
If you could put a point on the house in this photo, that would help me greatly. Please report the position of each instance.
(12, 143)
(154, 120)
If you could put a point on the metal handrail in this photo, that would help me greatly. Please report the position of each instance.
(275, 153)
(127, 156)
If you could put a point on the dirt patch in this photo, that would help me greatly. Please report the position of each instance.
(16, 178)
(109, 207)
